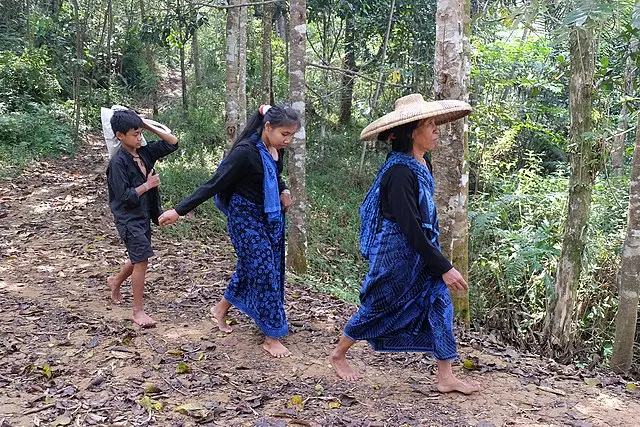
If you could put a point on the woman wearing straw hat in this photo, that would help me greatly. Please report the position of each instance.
(405, 302)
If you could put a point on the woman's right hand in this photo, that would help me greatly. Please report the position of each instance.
(169, 217)
(454, 281)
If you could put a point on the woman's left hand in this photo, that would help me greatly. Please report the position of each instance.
(285, 200)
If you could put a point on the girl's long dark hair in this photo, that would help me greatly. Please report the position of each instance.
(278, 116)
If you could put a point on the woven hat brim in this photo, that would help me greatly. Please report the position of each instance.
(396, 118)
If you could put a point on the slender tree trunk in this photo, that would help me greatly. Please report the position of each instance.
(267, 25)
(183, 79)
(374, 101)
(346, 96)
(324, 92)
(151, 63)
(27, 27)
(108, 43)
(629, 274)
(557, 333)
(195, 52)
(77, 70)
(383, 58)
(297, 244)
(242, 68)
(233, 28)
(451, 157)
(617, 150)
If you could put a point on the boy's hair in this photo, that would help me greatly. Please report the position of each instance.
(125, 120)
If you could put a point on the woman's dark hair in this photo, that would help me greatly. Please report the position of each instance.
(400, 136)
(279, 115)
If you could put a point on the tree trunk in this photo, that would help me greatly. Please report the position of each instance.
(233, 24)
(297, 244)
(108, 43)
(617, 150)
(183, 79)
(27, 27)
(151, 64)
(267, 25)
(195, 52)
(383, 57)
(77, 69)
(629, 274)
(242, 68)
(557, 331)
(346, 96)
(451, 158)
(374, 101)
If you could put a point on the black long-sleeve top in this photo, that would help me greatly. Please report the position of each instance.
(131, 211)
(399, 196)
(241, 172)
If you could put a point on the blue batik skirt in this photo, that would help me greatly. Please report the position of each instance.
(257, 286)
(403, 307)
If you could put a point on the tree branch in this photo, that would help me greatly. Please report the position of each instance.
(229, 6)
(356, 74)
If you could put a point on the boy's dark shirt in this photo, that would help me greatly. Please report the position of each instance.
(241, 173)
(130, 211)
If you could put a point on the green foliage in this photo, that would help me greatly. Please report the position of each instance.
(522, 107)
(25, 79)
(31, 135)
(201, 147)
(335, 190)
(515, 242)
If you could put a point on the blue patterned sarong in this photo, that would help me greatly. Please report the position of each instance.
(257, 286)
(403, 307)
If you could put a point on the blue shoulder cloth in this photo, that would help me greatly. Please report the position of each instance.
(370, 210)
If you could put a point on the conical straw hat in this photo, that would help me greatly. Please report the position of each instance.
(413, 107)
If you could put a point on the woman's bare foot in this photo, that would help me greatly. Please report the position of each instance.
(143, 320)
(450, 384)
(342, 367)
(114, 287)
(220, 318)
(275, 348)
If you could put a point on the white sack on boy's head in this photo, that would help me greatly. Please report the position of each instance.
(113, 144)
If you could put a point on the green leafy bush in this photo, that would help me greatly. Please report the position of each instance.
(31, 135)
(25, 79)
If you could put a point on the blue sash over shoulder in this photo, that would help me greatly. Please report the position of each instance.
(370, 211)
(270, 188)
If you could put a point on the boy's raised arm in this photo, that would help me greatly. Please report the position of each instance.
(165, 136)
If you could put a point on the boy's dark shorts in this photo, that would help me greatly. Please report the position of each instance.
(138, 245)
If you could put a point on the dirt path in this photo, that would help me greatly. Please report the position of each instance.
(69, 357)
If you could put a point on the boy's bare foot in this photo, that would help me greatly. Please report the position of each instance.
(114, 287)
(143, 320)
(342, 367)
(451, 384)
(220, 319)
(275, 348)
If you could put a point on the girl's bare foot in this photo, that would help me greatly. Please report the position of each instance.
(220, 318)
(143, 320)
(450, 384)
(275, 348)
(114, 287)
(342, 367)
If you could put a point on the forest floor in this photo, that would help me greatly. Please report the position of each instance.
(70, 357)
